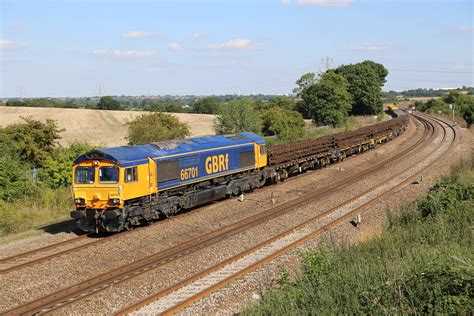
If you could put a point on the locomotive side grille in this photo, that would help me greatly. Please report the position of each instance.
(167, 170)
(247, 159)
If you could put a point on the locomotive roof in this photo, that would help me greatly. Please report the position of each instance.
(133, 155)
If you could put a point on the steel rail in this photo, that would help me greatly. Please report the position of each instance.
(87, 245)
(315, 233)
(41, 249)
(100, 282)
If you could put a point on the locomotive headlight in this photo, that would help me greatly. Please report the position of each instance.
(114, 201)
(80, 201)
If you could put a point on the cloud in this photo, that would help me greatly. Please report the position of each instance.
(7, 44)
(175, 46)
(367, 47)
(326, 3)
(136, 34)
(285, 2)
(465, 29)
(237, 43)
(200, 36)
(124, 53)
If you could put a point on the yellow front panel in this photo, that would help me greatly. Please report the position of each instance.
(96, 195)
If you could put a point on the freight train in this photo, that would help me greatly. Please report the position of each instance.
(119, 188)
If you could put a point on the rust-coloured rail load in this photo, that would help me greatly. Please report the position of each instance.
(291, 158)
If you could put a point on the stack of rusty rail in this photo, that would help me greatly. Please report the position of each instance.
(329, 145)
(281, 154)
(388, 127)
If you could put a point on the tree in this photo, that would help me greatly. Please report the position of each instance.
(329, 100)
(56, 172)
(155, 127)
(14, 102)
(463, 104)
(379, 69)
(108, 103)
(365, 85)
(303, 108)
(14, 179)
(304, 81)
(238, 116)
(283, 102)
(207, 105)
(32, 140)
(284, 123)
(436, 106)
(467, 110)
(454, 97)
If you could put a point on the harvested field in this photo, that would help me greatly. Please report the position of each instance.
(97, 127)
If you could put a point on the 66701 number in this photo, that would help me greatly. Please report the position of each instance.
(189, 173)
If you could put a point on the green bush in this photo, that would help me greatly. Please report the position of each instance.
(206, 105)
(155, 127)
(238, 116)
(281, 101)
(56, 172)
(285, 124)
(14, 179)
(24, 203)
(32, 141)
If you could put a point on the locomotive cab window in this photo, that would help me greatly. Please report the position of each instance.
(263, 149)
(108, 174)
(131, 174)
(84, 175)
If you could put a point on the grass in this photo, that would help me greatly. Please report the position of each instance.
(49, 207)
(422, 263)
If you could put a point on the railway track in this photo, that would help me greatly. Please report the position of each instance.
(184, 293)
(94, 285)
(18, 262)
(13, 263)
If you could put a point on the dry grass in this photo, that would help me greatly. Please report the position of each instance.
(97, 127)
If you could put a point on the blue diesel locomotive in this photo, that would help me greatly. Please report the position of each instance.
(116, 188)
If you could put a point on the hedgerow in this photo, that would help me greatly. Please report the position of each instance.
(421, 264)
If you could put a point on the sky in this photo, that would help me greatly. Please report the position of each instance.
(104, 47)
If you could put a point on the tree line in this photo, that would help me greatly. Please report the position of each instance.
(328, 99)
(423, 92)
(184, 104)
(463, 105)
